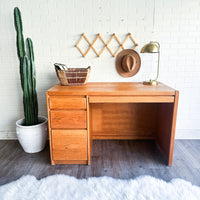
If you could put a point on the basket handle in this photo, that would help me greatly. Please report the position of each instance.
(60, 66)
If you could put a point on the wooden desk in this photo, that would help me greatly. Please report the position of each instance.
(79, 114)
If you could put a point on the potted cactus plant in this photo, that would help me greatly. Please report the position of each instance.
(32, 130)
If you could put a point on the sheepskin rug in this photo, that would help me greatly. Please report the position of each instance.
(61, 187)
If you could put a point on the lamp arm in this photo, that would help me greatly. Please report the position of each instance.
(158, 59)
(158, 67)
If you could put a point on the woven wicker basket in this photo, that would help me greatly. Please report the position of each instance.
(72, 76)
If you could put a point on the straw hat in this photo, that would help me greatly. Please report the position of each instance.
(128, 63)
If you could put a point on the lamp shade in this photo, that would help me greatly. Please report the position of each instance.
(152, 47)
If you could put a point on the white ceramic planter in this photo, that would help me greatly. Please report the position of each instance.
(32, 138)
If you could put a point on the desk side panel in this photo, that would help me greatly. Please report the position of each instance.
(89, 136)
(49, 127)
(165, 130)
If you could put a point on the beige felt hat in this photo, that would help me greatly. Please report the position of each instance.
(128, 63)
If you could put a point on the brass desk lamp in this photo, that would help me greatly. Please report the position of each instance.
(152, 47)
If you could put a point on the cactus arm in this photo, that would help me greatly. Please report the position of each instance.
(29, 49)
(19, 40)
(30, 54)
(29, 105)
(19, 30)
(26, 92)
(30, 92)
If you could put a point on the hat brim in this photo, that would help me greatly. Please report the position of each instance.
(119, 63)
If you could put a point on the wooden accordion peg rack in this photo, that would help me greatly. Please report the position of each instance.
(83, 36)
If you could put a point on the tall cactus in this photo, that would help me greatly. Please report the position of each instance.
(27, 72)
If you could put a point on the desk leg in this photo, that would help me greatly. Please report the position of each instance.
(89, 138)
(166, 125)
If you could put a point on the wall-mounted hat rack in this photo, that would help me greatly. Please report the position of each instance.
(106, 45)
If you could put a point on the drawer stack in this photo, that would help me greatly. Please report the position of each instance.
(68, 129)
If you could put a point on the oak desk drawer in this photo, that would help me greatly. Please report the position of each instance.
(69, 144)
(132, 99)
(68, 119)
(64, 102)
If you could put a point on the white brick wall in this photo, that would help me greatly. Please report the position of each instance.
(55, 27)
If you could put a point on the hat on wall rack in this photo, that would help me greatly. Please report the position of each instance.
(128, 63)
(152, 47)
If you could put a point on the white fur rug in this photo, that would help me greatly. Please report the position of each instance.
(61, 187)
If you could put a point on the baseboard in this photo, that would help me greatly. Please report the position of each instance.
(8, 135)
(187, 134)
(180, 134)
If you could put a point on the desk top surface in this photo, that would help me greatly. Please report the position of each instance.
(112, 88)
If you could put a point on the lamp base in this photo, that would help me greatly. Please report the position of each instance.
(151, 82)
